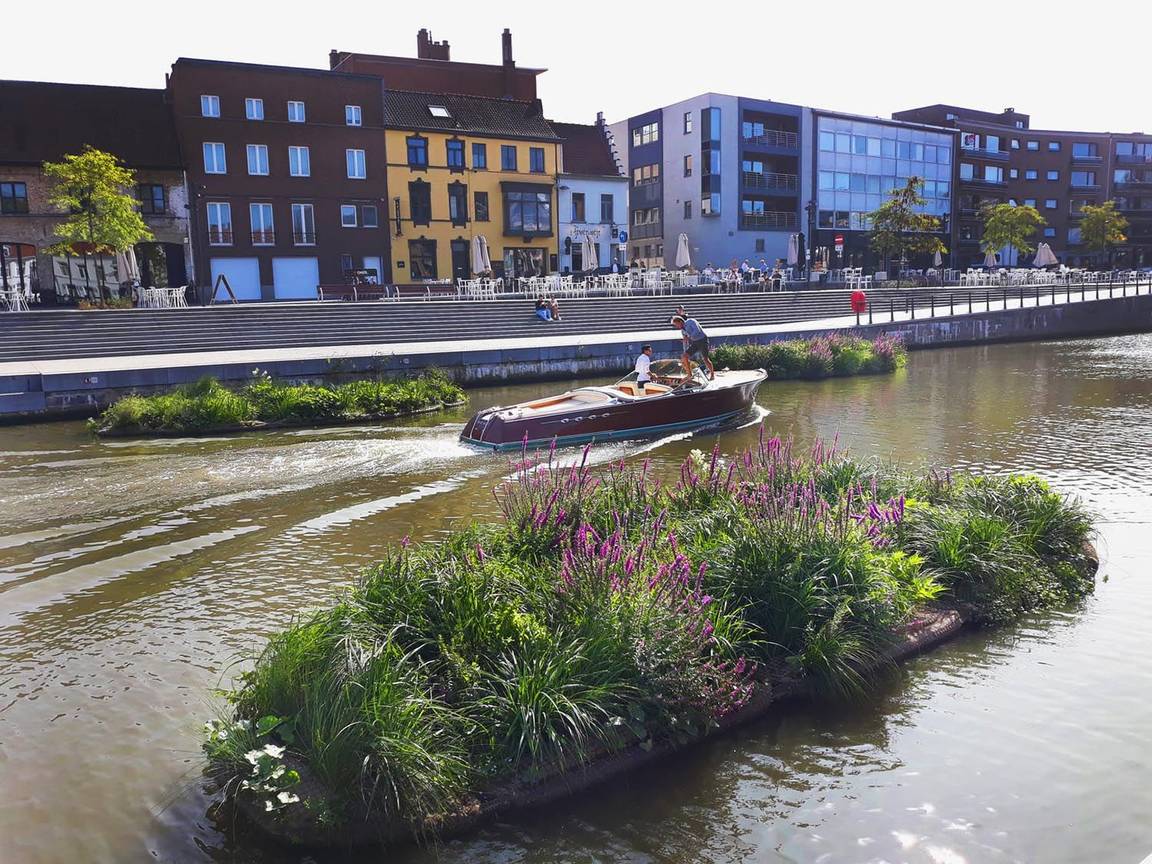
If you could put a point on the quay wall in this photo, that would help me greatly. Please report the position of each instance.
(80, 390)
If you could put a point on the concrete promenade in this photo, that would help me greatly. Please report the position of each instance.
(83, 384)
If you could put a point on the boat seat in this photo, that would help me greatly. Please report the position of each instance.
(650, 390)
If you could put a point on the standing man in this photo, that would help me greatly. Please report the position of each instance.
(643, 367)
(695, 343)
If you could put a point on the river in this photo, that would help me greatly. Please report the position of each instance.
(134, 574)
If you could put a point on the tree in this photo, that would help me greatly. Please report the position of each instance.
(1011, 226)
(900, 229)
(102, 217)
(1102, 228)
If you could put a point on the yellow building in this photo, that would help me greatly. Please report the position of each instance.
(466, 166)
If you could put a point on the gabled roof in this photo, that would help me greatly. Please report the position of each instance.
(586, 150)
(43, 122)
(505, 118)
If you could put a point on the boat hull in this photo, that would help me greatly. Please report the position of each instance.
(651, 416)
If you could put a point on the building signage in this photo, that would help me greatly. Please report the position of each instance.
(623, 237)
(839, 241)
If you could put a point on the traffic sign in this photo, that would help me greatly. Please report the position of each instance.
(623, 237)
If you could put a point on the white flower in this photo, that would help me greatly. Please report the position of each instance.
(268, 807)
(288, 798)
(274, 751)
(278, 773)
(253, 756)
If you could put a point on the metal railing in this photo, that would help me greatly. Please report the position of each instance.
(770, 219)
(770, 180)
(774, 138)
(219, 236)
(263, 238)
(304, 238)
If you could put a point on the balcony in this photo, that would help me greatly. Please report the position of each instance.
(761, 180)
(304, 238)
(1087, 160)
(774, 138)
(1133, 184)
(980, 181)
(263, 238)
(771, 220)
(647, 231)
(1133, 159)
(219, 236)
(997, 155)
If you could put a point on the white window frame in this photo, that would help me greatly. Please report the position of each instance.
(1051, 204)
(254, 108)
(356, 161)
(219, 208)
(295, 107)
(353, 116)
(257, 151)
(309, 210)
(264, 228)
(216, 166)
(345, 209)
(209, 105)
(305, 163)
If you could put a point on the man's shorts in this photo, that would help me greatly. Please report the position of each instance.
(700, 346)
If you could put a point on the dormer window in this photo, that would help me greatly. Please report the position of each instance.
(439, 111)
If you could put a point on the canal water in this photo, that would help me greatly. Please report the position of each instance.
(135, 574)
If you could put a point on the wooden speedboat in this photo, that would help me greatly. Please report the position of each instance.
(671, 402)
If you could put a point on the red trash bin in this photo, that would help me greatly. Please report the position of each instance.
(859, 301)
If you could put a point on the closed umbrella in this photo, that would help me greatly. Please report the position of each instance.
(683, 255)
(793, 250)
(487, 254)
(937, 259)
(478, 262)
(990, 259)
(591, 255)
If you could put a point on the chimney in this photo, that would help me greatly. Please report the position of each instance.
(507, 40)
(426, 49)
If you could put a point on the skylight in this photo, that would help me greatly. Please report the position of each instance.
(439, 111)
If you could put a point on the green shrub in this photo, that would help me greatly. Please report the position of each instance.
(819, 357)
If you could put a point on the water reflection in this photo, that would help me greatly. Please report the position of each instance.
(132, 573)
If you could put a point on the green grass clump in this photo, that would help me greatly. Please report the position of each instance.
(208, 404)
(612, 608)
(835, 355)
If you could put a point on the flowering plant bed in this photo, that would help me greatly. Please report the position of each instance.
(209, 406)
(610, 618)
(832, 356)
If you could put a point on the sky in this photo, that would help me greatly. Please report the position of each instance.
(867, 57)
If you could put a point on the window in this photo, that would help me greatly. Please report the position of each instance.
(479, 157)
(480, 204)
(299, 162)
(1030, 174)
(420, 202)
(1053, 146)
(507, 157)
(649, 133)
(536, 160)
(1033, 145)
(1029, 202)
(1073, 236)
(1085, 150)
(1083, 178)
(1053, 175)
(417, 152)
(527, 212)
(577, 206)
(14, 198)
(150, 196)
(263, 233)
(1013, 174)
(458, 203)
(209, 106)
(258, 159)
(992, 174)
(607, 208)
(688, 165)
(687, 122)
(455, 154)
(991, 144)
(687, 209)
(352, 115)
(214, 161)
(303, 225)
(219, 224)
(295, 112)
(369, 216)
(1051, 204)
(1049, 232)
(759, 244)
(642, 175)
(347, 215)
(346, 264)
(439, 111)
(422, 259)
(1014, 143)
(254, 109)
(356, 167)
(966, 171)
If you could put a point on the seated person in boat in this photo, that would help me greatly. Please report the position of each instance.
(695, 343)
(643, 368)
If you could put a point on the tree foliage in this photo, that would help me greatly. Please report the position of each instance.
(1102, 227)
(91, 187)
(1009, 225)
(900, 229)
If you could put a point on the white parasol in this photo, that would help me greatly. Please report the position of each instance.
(683, 255)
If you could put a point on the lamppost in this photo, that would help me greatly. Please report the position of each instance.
(810, 208)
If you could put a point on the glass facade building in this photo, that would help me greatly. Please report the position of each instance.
(858, 163)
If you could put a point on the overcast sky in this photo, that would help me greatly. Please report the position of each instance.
(1084, 71)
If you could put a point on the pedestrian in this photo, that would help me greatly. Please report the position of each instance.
(643, 368)
(695, 343)
(543, 310)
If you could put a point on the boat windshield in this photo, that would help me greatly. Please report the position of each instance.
(669, 373)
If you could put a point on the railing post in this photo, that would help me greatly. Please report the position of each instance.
(891, 308)
(911, 304)
(1053, 294)
(870, 305)
(931, 305)
(969, 302)
(951, 305)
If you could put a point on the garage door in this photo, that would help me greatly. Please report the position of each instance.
(243, 275)
(295, 278)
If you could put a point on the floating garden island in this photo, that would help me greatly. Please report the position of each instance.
(610, 618)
